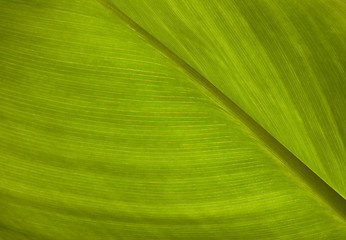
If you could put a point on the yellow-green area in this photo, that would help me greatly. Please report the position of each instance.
(107, 131)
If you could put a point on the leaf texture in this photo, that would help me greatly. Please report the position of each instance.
(280, 61)
(104, 136)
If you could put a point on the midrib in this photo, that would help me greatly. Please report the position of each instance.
(321, 189)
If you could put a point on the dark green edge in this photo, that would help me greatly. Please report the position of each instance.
(320, 188)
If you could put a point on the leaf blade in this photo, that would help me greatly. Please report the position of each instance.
(79, 161)
(281, 62)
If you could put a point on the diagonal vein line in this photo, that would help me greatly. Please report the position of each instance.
(320, 188)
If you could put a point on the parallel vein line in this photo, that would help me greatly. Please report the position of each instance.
(320, 188)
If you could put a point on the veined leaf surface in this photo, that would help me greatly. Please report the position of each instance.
(172, 119)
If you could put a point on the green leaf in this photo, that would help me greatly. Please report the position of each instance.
(172, 119)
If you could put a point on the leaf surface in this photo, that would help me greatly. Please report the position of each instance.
(105, 135)
(280, 61)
